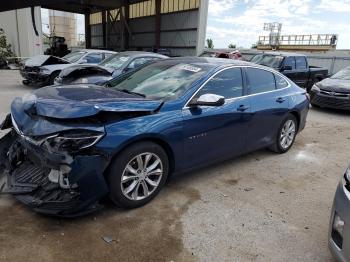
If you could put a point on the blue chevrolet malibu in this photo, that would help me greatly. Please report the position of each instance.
(71, 146)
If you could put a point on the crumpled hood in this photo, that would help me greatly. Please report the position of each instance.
(41, 60)
(58, 103)
(335, 85)
(85, 69)
(76, 101)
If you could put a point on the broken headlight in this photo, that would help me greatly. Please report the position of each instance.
(73, 141)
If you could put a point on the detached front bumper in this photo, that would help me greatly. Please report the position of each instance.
(50, 183)
(330, 99)
(35, 78)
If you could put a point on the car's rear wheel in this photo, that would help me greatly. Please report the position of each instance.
(138, 174)
(286, 135)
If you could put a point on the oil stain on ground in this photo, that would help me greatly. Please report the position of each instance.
(149, 233)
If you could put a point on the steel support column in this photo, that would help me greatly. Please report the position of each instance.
(87, 30)
(104, 28)
(126, 23)
(157, 25)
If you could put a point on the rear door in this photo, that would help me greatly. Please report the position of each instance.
(211, 132)
(269, 105)
(302, 71)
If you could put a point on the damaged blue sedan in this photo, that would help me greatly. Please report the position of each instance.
(69, 147)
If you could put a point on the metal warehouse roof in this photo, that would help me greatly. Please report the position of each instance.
(75, 6)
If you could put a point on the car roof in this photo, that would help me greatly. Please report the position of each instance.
(95, 50)
(278, 53)
(213, 62)
(141, 53)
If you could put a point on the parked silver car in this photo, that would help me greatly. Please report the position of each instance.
(42, 70)
(339, 231)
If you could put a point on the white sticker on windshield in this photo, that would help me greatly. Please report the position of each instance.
(124, 58)
(190, 68)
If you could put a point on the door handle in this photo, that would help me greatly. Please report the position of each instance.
(280, 100)
(242, 108)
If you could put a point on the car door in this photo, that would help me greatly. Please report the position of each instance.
(269, 105)
(302, 71)
(289, 62)
(214, 132)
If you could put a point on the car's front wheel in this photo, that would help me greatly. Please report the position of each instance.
(286, 135)
(138, 174)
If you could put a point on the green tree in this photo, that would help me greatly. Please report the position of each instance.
(210, 43)
(5, 48)
(232, 46)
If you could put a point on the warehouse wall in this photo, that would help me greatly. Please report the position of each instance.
(182, 27)
(19, 31)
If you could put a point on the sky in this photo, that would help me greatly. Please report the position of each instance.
(241, 21)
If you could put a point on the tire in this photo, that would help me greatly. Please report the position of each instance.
(53, 76)
(132, 193)
(283, 145)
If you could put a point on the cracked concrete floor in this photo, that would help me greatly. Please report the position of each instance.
(258, 207)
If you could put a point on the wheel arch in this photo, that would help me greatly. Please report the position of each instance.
(155, 139)
(296, 114)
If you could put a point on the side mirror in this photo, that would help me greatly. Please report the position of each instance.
(287, 67)
(84, 61)
(208, 100)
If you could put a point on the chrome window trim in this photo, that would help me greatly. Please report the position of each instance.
(243, 66)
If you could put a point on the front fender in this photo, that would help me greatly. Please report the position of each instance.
(166, 127)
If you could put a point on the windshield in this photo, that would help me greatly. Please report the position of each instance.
(74, 56)
(267, 60)
(342, 74)
(116, 61)
(163, 80)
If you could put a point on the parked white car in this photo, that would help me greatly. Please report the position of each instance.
(42, 70)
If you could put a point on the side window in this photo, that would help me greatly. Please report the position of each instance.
(290, 61)
(93, 58)
(281, 82)
(139, 62)
(300, 62)
(260, 80)
(227, 83)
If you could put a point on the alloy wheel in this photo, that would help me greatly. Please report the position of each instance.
(141, 176)
(287, 134)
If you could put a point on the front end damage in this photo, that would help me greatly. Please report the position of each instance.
(55, 183)
(53, 157)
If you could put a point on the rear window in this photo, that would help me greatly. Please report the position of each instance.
(281, 82)
(273, 61)
(260, 80)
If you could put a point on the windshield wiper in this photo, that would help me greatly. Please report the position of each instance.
(131, 92)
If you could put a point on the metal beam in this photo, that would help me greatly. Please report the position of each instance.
(157, 24)
(104, 28)
(87, 30)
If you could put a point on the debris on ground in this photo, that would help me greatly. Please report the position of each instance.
(108, 239)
